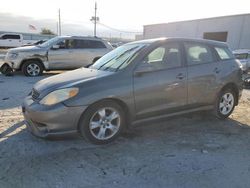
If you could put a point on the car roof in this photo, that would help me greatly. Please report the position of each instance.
(158, 40)
(82, 37)
(242, 51)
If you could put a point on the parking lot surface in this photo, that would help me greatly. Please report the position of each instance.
(195, 150)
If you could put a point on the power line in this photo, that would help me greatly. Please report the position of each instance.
(118, 30)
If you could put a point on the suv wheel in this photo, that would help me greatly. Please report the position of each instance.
(32, 68)
(225, 104)
(102, 122)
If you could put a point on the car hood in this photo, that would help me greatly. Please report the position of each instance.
(68, 79)
(27, 49)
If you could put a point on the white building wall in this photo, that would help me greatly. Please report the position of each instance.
(238, 28)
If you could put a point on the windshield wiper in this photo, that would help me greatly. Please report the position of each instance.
(105, 63)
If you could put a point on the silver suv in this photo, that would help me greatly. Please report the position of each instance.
(243, 55)
(59, 53)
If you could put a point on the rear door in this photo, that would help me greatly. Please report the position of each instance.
(204, 73)
(162, 89)
(89, 50)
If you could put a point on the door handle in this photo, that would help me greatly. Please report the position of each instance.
(180, 76)
(217, 70)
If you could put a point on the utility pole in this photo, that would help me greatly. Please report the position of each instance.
(59, 22)
(95, 19)
(57, 28)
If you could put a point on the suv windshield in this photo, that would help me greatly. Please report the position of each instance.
(118, 58)
(49, 42)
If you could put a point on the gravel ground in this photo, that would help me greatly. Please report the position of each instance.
(191, 151)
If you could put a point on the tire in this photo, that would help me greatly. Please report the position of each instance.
(98, 127)
(225, 103)
(32, 68)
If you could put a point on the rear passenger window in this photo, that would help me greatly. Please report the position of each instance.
(224, 53)
(91, 44)
(96, 44)
(198, 54)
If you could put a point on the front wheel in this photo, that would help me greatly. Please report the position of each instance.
(225, 104)
(102, 122)
(32, 68)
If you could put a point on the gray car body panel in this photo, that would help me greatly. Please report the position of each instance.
(146, 95)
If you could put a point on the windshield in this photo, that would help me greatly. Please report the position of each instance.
(49, 42)
(241, 56)
(118, 58)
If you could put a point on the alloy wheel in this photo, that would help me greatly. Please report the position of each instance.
(105, 123)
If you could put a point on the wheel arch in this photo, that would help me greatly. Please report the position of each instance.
(31, 59)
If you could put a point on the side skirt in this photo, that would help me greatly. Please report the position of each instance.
(203, 108)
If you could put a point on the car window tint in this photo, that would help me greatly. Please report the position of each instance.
(198, 53)
(241, 56)
(224, 53)
(11, 37)
(84, 44)
(81, 44)
(96, 44)
(156, 55)
(62, 44)
(167, 56)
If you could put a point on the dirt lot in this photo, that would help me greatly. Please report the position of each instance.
(191, 151)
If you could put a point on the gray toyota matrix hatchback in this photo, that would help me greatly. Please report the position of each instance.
(136, 82)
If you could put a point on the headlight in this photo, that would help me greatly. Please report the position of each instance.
(59, 96)
(13, 55)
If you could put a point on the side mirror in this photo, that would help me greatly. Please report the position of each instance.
(55, 47)
(144, 67)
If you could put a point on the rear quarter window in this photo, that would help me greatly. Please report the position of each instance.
(224, 53)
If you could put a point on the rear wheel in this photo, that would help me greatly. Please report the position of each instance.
(225, 104)
(102, 122)
(32, 68)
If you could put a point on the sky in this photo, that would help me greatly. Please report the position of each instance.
(123, 16)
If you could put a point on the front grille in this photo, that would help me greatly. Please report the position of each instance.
(34, 94)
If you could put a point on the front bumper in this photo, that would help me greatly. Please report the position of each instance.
(47, 121)
(14, 64)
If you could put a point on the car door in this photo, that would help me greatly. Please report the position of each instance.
(160, 81)
(203, 73)
(63, 57)
(88, 50)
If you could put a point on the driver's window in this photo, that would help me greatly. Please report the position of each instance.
(156, 56)
(165, 56)
(62, 44)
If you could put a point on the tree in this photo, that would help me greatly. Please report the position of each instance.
(46, 31)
